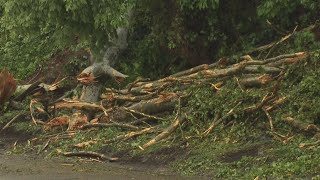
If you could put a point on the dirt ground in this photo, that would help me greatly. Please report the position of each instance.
(32, 166)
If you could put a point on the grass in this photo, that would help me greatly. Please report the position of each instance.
(247, 160)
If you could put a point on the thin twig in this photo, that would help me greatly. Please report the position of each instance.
(34, 77)
(166, 132)
(269, 118)
(264, 101)
(218, 120)
(31, 112)
(133, 134)
(239, 84)
(309, 145)
(90, 154)
(280, 41)
(44, 147)
(113, 124)
(140, 113)
(13, 119)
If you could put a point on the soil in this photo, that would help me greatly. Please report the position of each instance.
(33, 166)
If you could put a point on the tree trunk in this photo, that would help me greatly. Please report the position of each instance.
(91, 92)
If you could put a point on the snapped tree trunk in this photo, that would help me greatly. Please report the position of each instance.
(92, 88)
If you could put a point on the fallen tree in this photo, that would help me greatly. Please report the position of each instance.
(141, 100)
(158, 108)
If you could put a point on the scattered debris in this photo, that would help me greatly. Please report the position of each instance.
(138, 109)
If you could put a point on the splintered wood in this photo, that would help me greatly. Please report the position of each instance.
(142, 107)
(147, 99)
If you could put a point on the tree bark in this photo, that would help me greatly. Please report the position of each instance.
(91, 92)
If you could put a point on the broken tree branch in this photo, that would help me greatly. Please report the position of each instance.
(166, 132)
(90, 154)
(106, 125)
(16, 117)
(303, 127)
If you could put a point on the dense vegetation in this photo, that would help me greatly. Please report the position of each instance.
(168, 36)
(165, 36)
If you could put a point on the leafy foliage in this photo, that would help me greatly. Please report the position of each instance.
(31, 31)
(287, 13)
(166, 36)
(169, 36)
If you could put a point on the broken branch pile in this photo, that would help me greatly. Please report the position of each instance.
(141, 106)
(160, 106)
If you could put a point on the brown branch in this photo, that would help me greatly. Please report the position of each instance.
(25, 93)
(90, 154)
(215, 122)
(280, 41)
(256, 81)
(113, 124)
(276, 103)
(141, 114)
(132, 98)
(303, 127)
(164, 102)
(270, 45)
(264, 101)
(169, 130)
(218, 120)
(13, 119)
(191, 71)
(309, 145)
(133, 134)
(302, 55)
(144, 120)
(229, 71)
(78, 105)
(133, 84)
(269, 118)
(262, 69)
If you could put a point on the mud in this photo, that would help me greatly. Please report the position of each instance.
(33, 167)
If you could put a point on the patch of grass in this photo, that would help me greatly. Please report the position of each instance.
(26, 127)
(245, 149)
(6, 117)
(264, 159)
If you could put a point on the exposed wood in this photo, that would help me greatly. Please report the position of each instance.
(146, 120)
(78, 105)
(303, 127)
(113, 124)
(132, 134)
(90, 154)
(218, 120)
(142, 114)
(289, 58)
(262, 69)
(15, 118)
(269, 118)
(143, 106)
(309, 145)
(169, 130)
(25, 90)
(257, 81)
(160, 104)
